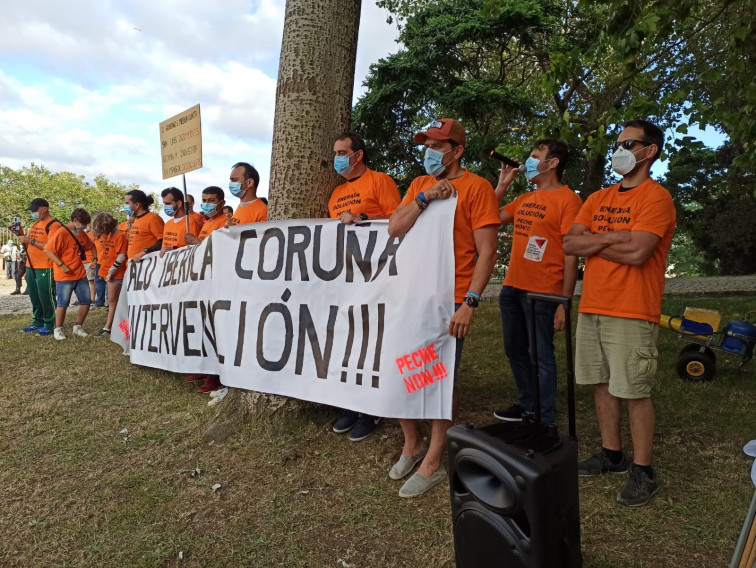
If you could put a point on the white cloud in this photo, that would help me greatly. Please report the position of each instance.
(83, 90)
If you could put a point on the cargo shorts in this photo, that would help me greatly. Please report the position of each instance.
(618, 351)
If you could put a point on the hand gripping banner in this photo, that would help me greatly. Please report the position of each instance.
(308, 308)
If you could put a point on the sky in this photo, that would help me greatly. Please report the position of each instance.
(85, 83)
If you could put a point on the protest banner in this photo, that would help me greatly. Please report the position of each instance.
(181, 143)
(308, 308)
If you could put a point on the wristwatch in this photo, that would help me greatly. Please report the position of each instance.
(364, 216)
(471, 301)
(33, 242)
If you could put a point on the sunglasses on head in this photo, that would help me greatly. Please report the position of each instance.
(627, 144)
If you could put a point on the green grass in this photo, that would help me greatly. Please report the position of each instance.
(77, 491)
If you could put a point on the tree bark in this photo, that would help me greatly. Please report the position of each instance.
(595, 177)
(313, 106)
(313, 103)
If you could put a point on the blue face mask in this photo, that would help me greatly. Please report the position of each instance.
(433, 161)
(169, 210)
(341, 165)
(35, 214)
(208, 208)
(531, 168)
(235, 188)
(127, 209)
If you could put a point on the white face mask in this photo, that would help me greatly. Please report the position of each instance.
(623, 161)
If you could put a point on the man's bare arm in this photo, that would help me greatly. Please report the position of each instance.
(635, 252)
(579, 241)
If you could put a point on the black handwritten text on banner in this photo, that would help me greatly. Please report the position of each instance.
(314, 309)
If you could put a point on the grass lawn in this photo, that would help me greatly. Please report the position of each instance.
(103, 464)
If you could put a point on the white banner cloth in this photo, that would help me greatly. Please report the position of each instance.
(308, 308)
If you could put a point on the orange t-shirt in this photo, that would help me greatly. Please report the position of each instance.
(197, 217)
(541, 219)
(373, 193)
(211, 224)
(476, 208)
(145, 232)
(63, 245)
(174, 230)
(251, 212)
(124, 226)
(623, 290)
(39, 232)
(112, 246)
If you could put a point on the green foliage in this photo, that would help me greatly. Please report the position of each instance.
(63, 190)
(713, 195)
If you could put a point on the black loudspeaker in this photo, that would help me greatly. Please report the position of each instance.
(514, 486)
(514, 504)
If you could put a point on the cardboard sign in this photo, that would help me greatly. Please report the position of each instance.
(181, 143)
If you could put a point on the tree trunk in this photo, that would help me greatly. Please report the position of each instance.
(595, 177)
(313, 106)
(313, 103)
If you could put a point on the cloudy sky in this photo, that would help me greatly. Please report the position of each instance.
(84, 83)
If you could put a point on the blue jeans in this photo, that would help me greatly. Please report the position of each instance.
(101, 289)
(516, 321)
(67, 287)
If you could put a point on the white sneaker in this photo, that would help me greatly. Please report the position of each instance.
(58, 333)
(217, 396)
(79, 330)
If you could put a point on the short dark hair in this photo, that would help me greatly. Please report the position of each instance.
(214, 190)
(249, 172)
(81, 215)
(141, 197)
(355, 141)
(230, 209)
(174, 192)
(652, 134)
(555, 149)
(189, 197)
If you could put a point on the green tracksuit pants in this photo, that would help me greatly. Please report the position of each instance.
(41, 287)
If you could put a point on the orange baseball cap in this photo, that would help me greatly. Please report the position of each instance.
(443, 129)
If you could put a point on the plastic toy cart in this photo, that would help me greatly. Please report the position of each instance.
(700, 327)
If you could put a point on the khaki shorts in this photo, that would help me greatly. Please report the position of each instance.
(618, 351)
(90, 268)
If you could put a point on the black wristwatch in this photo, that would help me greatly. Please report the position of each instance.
(364, 216)
(471, 301)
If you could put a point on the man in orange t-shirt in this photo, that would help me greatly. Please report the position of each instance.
(625, 232)
(366, 195)
(476, 226)
(146, 232)
(39, 277)
(212, 206)
(66, 249)
(537, 263)
(175, 228)
(243, 183)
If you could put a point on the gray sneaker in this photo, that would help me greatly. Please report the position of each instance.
(598, 463)
(639, 489)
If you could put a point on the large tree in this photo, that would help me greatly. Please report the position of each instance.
(516, 70)
(313, 106)
(63, 190)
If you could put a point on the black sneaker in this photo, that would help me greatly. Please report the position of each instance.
(599, 463)
(365, 426)
(511, 414)
(639, 489)
(104, 333)
(346, 422)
